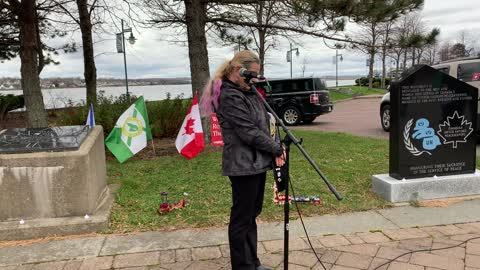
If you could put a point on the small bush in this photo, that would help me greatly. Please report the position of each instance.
(387, 81)
(108, 110)
(10, 102)
(165, 116)
(363, 81)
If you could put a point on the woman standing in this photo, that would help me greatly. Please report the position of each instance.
(248, 152)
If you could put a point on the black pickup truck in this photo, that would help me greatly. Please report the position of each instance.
(297, 100)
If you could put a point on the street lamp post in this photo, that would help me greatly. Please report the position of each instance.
(336, 63)
(131, 40)
(290, 58)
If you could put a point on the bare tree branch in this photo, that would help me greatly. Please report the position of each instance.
(286, 28)
(61, 6)
(92, 7)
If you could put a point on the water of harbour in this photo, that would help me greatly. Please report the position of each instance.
(65, 97)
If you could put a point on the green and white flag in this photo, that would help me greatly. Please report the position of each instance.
(131, 132)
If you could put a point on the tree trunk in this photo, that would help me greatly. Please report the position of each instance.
(27, 21)
(372, 55)
(398, 64)
(384, 71)
(413, 56)
(405, 59)
(370, 69)
(420, 54)
(195, 16)
(90, 71)
(432, 61)
(261, 38)
(261, 50)
(41, 57)
(195, 12)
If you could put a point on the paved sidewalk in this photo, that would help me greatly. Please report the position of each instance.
(361, 240)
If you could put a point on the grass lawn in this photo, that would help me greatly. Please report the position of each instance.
(356, 91)
(348, 161)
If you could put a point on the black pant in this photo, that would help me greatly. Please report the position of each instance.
(247, 200)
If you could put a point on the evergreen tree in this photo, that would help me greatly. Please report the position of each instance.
(370, 15)
(22, 25)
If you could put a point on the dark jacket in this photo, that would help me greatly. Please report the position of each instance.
(244, 121)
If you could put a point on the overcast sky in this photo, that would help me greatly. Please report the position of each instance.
(152, 56)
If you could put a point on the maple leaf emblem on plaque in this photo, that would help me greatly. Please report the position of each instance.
(189, 126)
(455, 130)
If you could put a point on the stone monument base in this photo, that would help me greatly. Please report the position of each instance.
(394, 190)
(50, 192)
(60, 226)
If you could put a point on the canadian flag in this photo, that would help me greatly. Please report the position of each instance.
(190, 140)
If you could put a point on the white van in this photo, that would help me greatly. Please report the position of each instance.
(464, 69)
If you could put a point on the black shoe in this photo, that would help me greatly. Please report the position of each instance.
(261, 267)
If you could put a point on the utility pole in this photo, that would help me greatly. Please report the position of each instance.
(121, 48)
(336, 63)
(290, 58)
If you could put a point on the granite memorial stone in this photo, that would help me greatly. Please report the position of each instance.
(51, 139)
(434, 123)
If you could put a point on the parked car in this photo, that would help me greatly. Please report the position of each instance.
(465, 69)
(297, 100)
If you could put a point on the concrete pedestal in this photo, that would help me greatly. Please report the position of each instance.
(50, 188)
(393, 190)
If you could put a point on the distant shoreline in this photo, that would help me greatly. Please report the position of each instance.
(99, 87)
(133, 84)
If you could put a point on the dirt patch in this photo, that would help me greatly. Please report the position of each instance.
(444, 202)
(43, 240)
(159, 147)
(14, 120)
(440, 203)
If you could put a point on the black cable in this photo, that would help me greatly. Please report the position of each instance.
(425, 250)
(303, 224)
(388, 262)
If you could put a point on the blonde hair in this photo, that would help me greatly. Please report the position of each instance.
(243, 58)
(211, 91)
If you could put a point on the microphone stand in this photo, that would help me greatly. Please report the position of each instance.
(288, 140)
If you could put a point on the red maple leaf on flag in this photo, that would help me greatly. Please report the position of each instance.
(189, 126)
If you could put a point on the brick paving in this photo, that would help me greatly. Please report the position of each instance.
(357, 251)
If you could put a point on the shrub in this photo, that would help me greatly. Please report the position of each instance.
(363, 81)
(10, 102)
(165, 116)
(387, 81)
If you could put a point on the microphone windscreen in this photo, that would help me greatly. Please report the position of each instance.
(242, 71)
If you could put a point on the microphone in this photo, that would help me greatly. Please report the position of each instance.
(250, 74)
